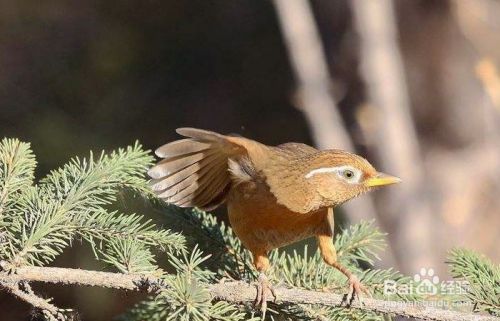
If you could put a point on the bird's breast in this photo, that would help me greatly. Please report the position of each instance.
(261, 223)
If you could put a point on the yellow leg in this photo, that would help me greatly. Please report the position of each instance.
(261, 262)
(329, 255)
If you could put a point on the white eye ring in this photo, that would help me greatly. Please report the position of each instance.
(347, 173)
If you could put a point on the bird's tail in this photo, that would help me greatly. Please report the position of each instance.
(194, 171)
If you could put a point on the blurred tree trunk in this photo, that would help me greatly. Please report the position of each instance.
(316, 100)
(404, 209)
(456, 119)
(440, 133)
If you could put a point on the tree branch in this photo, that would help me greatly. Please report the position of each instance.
(48, 309)
(234, 291)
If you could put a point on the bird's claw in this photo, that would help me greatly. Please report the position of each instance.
(355, 291)
(263, 289)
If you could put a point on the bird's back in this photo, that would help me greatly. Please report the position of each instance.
(200, 170)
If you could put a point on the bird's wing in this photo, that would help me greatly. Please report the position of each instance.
(194, 170)
(284, 176)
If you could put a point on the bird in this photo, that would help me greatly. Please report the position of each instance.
(275, 195)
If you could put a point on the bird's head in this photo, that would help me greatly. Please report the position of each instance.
(338, 176)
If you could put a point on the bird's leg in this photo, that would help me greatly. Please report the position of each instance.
(325, 242)
(264, 287)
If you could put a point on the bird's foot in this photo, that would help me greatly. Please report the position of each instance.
(264, 287)
(355, 291)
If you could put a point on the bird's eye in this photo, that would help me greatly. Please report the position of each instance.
(348, 174)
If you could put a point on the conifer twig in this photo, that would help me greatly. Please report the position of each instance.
(234, 291)
(49, 309)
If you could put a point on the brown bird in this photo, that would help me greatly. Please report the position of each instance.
(275, 195)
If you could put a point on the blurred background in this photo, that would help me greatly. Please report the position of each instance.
(414, 86)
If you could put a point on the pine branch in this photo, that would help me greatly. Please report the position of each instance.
(17, 166)
(360, 242)
(39, 221)
(235, 261)
(357, 245)
(50, 311)
(103, 225)
(16, 170)
(72, 202)
(482, 277)
(235, 292)
(129, 256)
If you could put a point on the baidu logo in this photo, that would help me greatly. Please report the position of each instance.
(428, 283)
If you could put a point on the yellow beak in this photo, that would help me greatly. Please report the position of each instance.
(381, 180)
